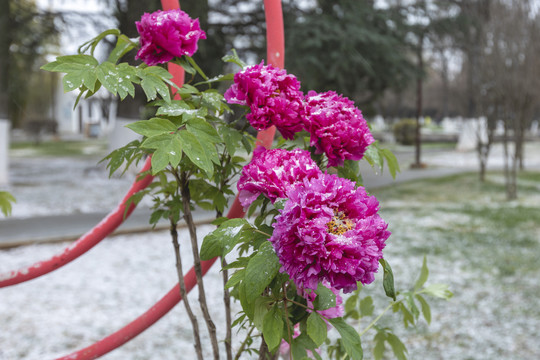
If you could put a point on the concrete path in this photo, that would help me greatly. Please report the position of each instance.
(16, 232)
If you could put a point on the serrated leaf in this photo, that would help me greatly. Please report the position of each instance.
(207, 136)
(372, 155)
(152, 127)
(6, 200)
(438, 290)
(349, 337)
(196, 153)
(232, 139)
(204, 130)
(316, 328)
(260, 271)
(426, 310)
(153, 83)
(408, 318)
(159, 72)
(325, 299)
(366, 306)
(212, 100)
(397, 346)
(168, 150)
(391, 161)
(71, 81)
(378, 349)
(350, 303)
(176, 108)
(424, 274)
(108, 76)
(388, 279)
(272, 328)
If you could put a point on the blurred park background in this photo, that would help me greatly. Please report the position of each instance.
(452, 87)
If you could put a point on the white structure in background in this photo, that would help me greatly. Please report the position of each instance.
(96, 115)
(4, 147)
(472, 131)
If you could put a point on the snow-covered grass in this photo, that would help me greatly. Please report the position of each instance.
(482, 246)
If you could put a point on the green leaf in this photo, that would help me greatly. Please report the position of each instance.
(178, 108)
(153, 82)
(397, 346)
(391, 161)
(424, 273)
(260, 311)
(123, 46)
(273, 328)
(349, 337)
(426, 310)
(408, 318)
(109, 77)
(232, 139)
(213, 100)
(235, 278)
(325, 298)
(168, 150)
(438, 290)
(260, 271)
(187, 66)
(152, 127)
(196, 153)
(348, 171)
(222, 240)
(234, 58)
(93, 43)
(378, 349)
(372, 155)
(351, 302)
(366, 306)
(316, 328)
(388, 279)
(207, 135)
(6, 200)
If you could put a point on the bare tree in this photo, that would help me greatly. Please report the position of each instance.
(513, 86)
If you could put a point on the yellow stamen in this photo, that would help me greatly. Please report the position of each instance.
(339, 224)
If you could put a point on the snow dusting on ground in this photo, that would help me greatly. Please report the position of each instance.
(123, 276)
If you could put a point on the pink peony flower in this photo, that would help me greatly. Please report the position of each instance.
(167, 34)
(274, 173)
(337, 127)
(329, 231)
(273, 96)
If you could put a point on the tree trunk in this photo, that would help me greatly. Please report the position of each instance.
(418, 141)
(5, 42)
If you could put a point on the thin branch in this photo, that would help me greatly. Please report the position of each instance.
(188, 218)
(183, 293)
(243, 345)
(227, 303)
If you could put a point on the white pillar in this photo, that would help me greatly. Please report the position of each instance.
(4, 149)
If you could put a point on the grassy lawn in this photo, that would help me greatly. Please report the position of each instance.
(485, 248)
(59, 148)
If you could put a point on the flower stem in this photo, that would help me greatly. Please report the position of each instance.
(188, 217)
(183, 293)
(243, 345)
(380, 316)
